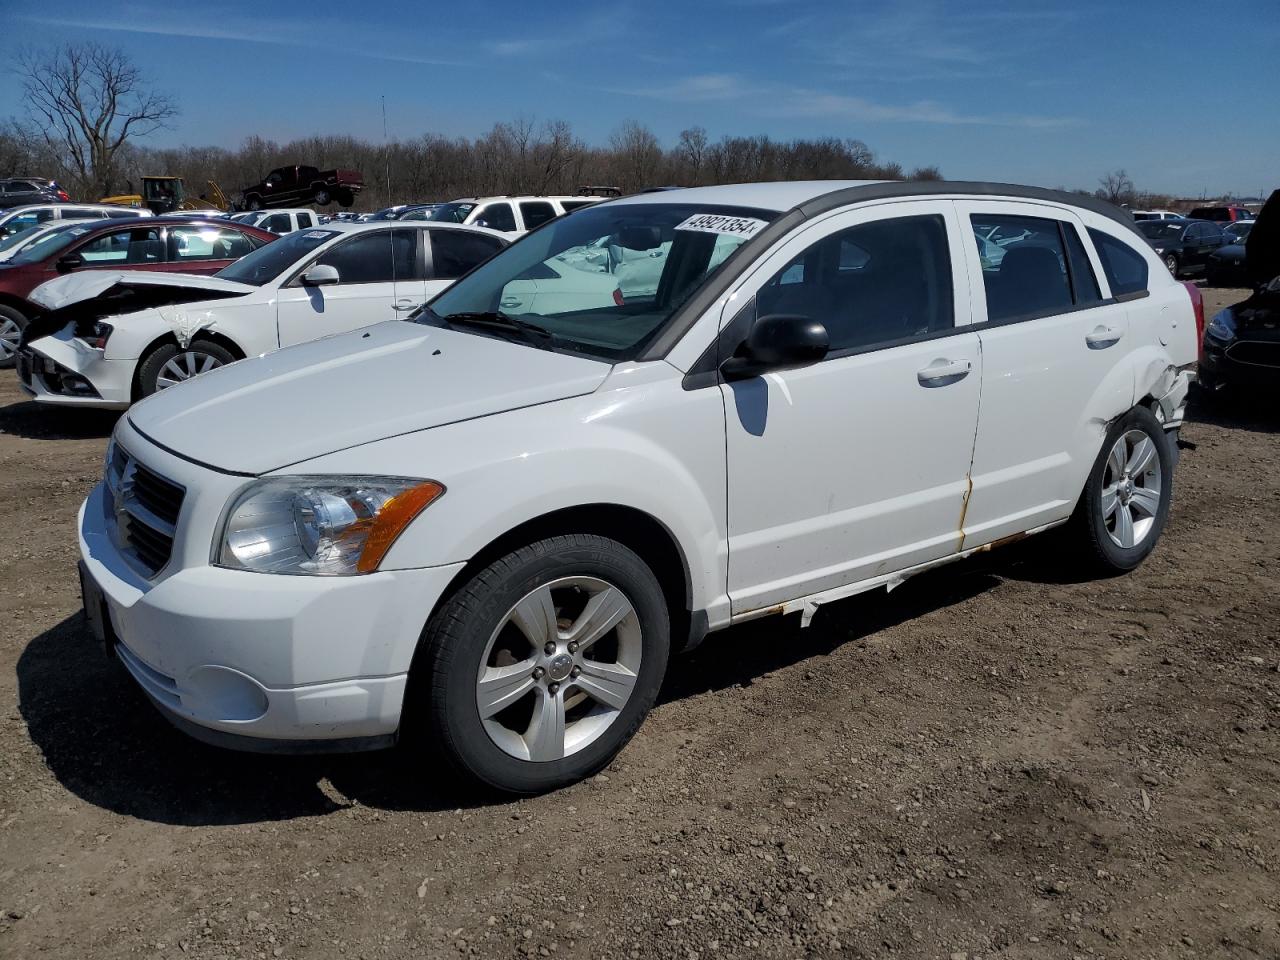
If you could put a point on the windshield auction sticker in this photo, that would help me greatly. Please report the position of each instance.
(715, 223)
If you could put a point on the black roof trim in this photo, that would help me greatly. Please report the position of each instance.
(741, 259)
(905, 189)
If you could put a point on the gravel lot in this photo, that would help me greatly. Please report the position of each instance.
(994, 760)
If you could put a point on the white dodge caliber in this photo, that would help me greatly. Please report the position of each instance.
(484, 532)
(110, 337)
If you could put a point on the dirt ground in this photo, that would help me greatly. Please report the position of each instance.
(994, 760)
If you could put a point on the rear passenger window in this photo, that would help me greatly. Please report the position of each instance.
(872, 285)
(1024, 266)
(536, 213)
(1125, 267)
(497, 216)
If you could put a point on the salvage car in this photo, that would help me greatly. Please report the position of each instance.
(516, 215)
(114, 337)
(20, 191)
(22, 218)
(482, 533)
(281, 222)
(1226, 267)
(297, 184)
(18, 241)
(1184, 245)
(1242, 342)
(155, 243)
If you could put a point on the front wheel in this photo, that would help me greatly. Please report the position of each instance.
(1126, 499)
(322, 197)
(12, 323)
(171, 364)
(540, 668)
(1171, 264)
(254, 203)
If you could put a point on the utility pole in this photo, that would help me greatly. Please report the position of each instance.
(386, 147)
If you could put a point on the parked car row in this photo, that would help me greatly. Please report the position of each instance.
(485, 527)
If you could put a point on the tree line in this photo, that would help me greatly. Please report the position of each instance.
(89, 110)
(517, 157)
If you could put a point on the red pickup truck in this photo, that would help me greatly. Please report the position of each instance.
(298, 185)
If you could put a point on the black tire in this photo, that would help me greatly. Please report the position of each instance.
(441, 711)
(151, 365)
(322, 197)
(253, 203)
(1088, 527)
(346, 198)
(10, 318)
(1172, 265)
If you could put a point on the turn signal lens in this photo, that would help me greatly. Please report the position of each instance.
(395, 515)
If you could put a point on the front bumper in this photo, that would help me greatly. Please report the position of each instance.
(69, 372)
(1251, 362)
(258, 661)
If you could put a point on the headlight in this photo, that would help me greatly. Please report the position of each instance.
(1222, 326)
(320, 526)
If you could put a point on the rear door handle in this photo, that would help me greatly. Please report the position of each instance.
(1101, 337)
(943, 372)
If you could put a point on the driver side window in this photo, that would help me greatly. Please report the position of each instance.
(873, 285)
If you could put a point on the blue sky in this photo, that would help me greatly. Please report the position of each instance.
(1181, 94)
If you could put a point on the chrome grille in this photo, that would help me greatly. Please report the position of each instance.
(142, 511)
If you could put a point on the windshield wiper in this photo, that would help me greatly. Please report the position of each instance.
(504, 323)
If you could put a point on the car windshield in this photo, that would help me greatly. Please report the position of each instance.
(21, 236)
(1161, 229)
(46, 245)
(452, 212)
(267, 263)
(603, 281)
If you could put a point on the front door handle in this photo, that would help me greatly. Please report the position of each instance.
(1101, 337)
(405, 305)
(510, 303)
(943, 372)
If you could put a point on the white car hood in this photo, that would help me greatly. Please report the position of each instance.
(74, 287)
(396, 377)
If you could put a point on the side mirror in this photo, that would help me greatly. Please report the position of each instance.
(72, 261)
(779, 341)
(320, 275)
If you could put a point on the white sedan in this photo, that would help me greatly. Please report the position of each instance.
(111, 338)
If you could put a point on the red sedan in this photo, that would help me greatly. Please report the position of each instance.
(173, 244)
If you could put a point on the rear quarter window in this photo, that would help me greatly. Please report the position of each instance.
(1125, 267)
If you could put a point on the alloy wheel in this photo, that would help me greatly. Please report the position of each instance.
(559, 669)
(184, 366)
(1131, 489)
(10, 335)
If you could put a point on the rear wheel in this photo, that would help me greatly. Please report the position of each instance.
(1171, 264)
(12, 323)
(322, 196)
(542, 666)
(1125, 503)
(346, 198)
(171, 364)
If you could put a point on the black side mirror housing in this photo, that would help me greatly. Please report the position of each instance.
(72, 261)
(779, 341)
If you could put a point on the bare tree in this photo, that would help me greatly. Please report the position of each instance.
(1116, 187)
(691, 153)
(90, 101)
(638, 154)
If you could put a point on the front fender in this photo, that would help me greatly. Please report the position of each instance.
(650, 446)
